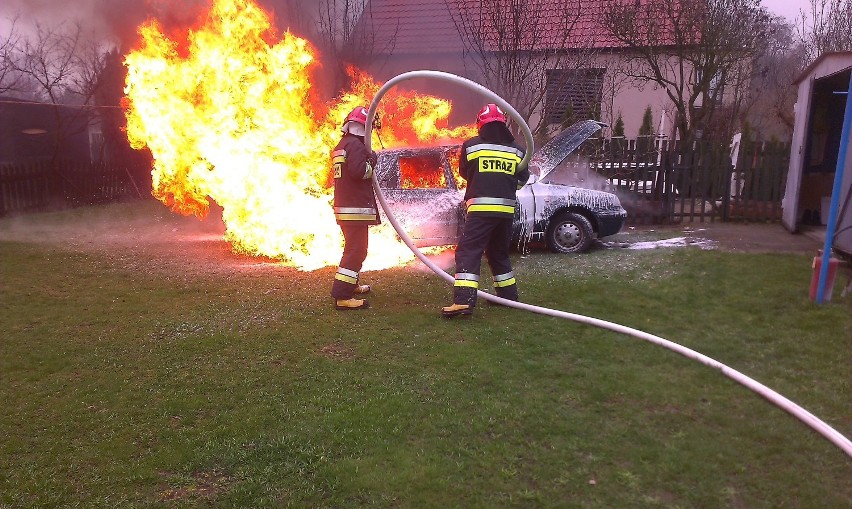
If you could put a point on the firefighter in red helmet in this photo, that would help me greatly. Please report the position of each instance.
(354, 208)
(490, 162)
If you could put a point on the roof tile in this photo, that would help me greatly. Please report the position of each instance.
(426, 26)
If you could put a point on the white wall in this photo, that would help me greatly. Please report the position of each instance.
(826, 65)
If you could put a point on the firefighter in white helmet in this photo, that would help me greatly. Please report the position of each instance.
(490, 163)
(354, 208)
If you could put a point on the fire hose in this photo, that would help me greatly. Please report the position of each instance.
(773, 397)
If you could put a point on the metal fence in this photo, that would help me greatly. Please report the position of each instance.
(45, 185)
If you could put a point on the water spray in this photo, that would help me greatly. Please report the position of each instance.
(773, 397)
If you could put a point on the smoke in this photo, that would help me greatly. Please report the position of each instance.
(108, 21)
(123, 17)
(116, 21)
(115, 24)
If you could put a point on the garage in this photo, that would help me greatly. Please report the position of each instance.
(823, 88)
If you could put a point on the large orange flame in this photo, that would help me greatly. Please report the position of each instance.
(228, 115)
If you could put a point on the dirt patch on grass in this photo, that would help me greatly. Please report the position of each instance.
(199, 486)
(337, 351)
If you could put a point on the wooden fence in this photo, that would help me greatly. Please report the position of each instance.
(659, 183)
(41, 186)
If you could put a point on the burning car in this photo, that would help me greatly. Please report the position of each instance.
(424, 190)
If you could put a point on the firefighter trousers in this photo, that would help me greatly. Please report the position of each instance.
(491, 236)
(355, 240)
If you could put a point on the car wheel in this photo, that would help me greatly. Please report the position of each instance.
(569, 233)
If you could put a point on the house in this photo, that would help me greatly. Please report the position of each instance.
(423, 34)
(819, 114)
(32, 131)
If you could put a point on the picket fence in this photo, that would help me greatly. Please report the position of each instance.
(657, 181)
(45, 185)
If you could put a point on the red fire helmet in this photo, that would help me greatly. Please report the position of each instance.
(356, 122)
(359, 115)
(489, 113)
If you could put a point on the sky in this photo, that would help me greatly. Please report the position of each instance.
(787, 8)
(120, 17)
(112, 19)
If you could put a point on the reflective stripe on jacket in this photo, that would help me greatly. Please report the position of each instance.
(500, 205)
(354, 198)
(355, 214)
(493, 175)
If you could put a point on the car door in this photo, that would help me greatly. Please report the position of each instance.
(422, 194)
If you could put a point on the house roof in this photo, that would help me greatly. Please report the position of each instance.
(588, 30)
(411, 26)
(844, 60)
(426, 26)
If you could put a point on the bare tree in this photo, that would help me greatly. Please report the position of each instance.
(829, 28)
(61, 67)
(614, 82)
(296, 16)
(692, 49)
(347, 38)
(512, 43)
(768, 104)
(62, 63)
(9, 77)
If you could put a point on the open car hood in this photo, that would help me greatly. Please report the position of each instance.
(552, 153)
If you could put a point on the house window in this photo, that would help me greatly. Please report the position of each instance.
(716, 87)
(573, 94)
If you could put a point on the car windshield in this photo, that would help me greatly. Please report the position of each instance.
(422, 171)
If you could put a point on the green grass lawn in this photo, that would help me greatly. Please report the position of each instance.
(126, 381)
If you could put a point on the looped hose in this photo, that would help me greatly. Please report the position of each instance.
(773, 397)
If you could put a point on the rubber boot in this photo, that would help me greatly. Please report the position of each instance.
(350, 304)
(457, 310)
(508, 293)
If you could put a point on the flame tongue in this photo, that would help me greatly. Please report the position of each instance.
(228, 116)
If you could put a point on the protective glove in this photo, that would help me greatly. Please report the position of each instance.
(377, 122)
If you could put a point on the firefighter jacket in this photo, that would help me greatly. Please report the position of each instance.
(354, 199)
(489, 162)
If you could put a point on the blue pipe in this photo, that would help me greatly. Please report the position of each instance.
(835, 195)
